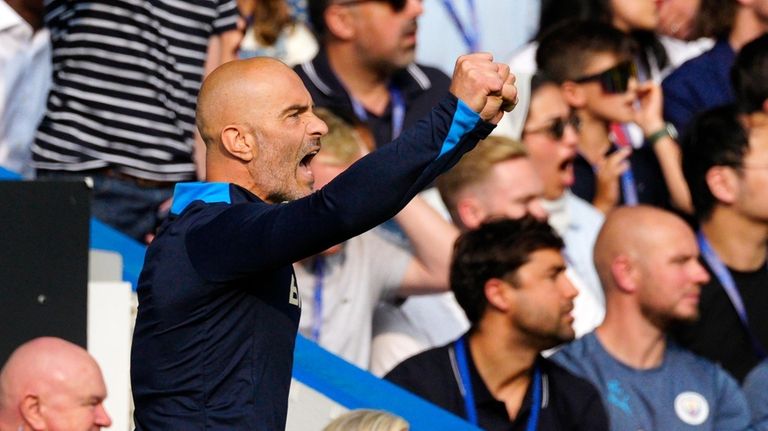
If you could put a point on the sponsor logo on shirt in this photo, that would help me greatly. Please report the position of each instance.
(692, 408)
(293, 297)
(618, 397)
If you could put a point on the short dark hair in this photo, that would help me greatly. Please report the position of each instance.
(553, 12)
(714, 138)
(497, 249)
(565, 51)
(316, 16)
(749, 75)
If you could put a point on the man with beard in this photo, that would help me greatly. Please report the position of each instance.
(647, 260)
(218, 301)
(365, 69)
(509, 277)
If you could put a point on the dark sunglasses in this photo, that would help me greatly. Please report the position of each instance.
(556, 129)
(614, 80)
(397, 5)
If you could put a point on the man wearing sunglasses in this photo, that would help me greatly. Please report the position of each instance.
(593, 64)
(365, 70)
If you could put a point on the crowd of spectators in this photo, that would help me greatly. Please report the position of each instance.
(617, 219)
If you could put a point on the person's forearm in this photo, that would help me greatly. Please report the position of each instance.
(668, 154)
(432, 239)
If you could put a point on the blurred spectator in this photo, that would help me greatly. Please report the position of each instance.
(509, 277)
(593, 63)
(750, 79)
(52, 384)
(122, 106)
(342, 286)
(549, 129)
(757, 396)
(725, 166)
(25, 78)
(703, 82)
(272, 30)
(647, 262)
(367, 420)
(657, 55)
(494, 180)
(365, 70)
(450, 28)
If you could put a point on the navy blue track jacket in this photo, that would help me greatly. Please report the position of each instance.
(218, 302)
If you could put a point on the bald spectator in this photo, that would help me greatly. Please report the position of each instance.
(725, 165)
(647, 262)
(52, 384)
(365, 68)
(219, 304)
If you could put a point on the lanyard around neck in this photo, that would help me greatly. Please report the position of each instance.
(398, 110)
(465, 384)
(729, 286)
(628, 187)
(468, 32)
(317, 303)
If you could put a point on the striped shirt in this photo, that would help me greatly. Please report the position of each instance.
(126, 74)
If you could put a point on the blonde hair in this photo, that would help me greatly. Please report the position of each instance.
(343, 142)
(367, 420)
(475, 167)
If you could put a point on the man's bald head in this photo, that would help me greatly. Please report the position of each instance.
(233, 92)
(47, 382)
(634, 232)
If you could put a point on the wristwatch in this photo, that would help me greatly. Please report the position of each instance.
(668, 130)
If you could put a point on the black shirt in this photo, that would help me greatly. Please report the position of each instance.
(421, 87)
(719, 334)
(568, 402)
(649, 181)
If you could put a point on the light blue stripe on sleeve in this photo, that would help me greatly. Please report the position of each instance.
(185, 193)
(464, 120)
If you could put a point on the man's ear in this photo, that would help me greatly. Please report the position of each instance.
(625, 274)
(338, 22)
(765, 106)
(470, 212)
(573, 94)
(497, 293)
(723, 183)
(30, 412)
(238, 142)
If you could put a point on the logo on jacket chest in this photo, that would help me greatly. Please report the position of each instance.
(293, 295)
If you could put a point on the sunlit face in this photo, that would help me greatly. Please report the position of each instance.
(635, 14)
(385, 39)
(604, 106)
(671, 275)
(75, 403)
(543, 299)
(287, 135)
(512, 190)
(552, 157)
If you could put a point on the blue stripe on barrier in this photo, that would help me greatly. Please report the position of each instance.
(354, 388)
(104, 237)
